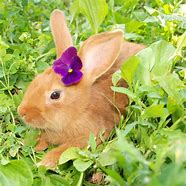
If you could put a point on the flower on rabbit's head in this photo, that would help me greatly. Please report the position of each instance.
(69, 66)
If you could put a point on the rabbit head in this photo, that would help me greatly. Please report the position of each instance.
(49, 104)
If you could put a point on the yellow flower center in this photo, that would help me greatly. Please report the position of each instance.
(70, 70)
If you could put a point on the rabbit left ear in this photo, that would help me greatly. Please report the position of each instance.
(60, 32)
(99, 53)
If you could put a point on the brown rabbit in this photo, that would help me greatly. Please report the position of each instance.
(77, 110)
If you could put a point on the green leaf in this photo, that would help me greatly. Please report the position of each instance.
(50, 180)
(155, 111)
(129, 127)
(57, 180)
(157, 58)
(16, 173)
(74, 8)
(150, 10)
(163, 53)
(128, 149)
(114, 175)
(172, 86)
(170, 174)
(13, 151)
(95, 11)
(143, 73)
(92, 142)
(80, 181)
(14, 67)
(116, 77)
(69, 154)
(107, 158)
(124, 91)
(82, 165)
(7, 57)
(181, 44)
(30, 138)
(42, 66)
(133, 26)
(129, 68)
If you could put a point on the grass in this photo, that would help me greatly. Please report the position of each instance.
(148, 146)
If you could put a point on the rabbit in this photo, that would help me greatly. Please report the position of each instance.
(66, 115)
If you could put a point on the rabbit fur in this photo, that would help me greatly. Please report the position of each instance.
(90, 105)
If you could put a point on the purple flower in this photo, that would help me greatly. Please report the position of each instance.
(69, 66)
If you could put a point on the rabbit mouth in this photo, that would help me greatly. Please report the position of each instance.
(35, 123)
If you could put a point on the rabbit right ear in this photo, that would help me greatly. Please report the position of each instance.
(99, 52)
(60, 32)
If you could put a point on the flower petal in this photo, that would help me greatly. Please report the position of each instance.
(61, 69)
(68, 55)
(76, 63)
(57, 62)
(72, 78)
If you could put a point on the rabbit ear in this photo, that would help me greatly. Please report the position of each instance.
(60, 31)
(99, 53)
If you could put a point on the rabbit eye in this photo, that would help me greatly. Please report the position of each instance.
(55, 95)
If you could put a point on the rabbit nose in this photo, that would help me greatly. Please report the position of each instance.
(21, 111)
